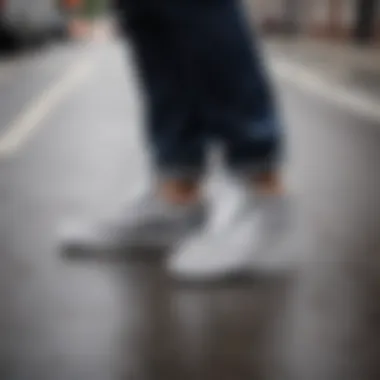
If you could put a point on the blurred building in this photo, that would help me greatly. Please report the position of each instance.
(352, 20)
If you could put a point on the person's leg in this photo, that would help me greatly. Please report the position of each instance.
(243, 116)
(165, 65)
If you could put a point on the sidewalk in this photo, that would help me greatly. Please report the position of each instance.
(353, 67)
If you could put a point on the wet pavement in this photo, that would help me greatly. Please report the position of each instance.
(65, 320)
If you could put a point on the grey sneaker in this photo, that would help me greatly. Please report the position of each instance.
(253, 240)
(148, 223)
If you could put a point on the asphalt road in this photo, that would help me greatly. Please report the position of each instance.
(70, 147)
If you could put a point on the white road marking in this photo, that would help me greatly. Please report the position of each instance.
(334, 92)
(28, 122)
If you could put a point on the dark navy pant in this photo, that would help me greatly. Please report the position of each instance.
(204, 83)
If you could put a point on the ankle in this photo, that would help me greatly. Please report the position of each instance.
(179, 191)
(268, 184)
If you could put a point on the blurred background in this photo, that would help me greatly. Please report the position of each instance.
(71, 146)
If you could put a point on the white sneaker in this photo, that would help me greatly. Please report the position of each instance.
(252, 241)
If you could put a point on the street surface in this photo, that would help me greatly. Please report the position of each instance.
(71, 147)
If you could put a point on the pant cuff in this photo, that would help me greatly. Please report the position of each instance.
(251, 170)
(180, 173)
